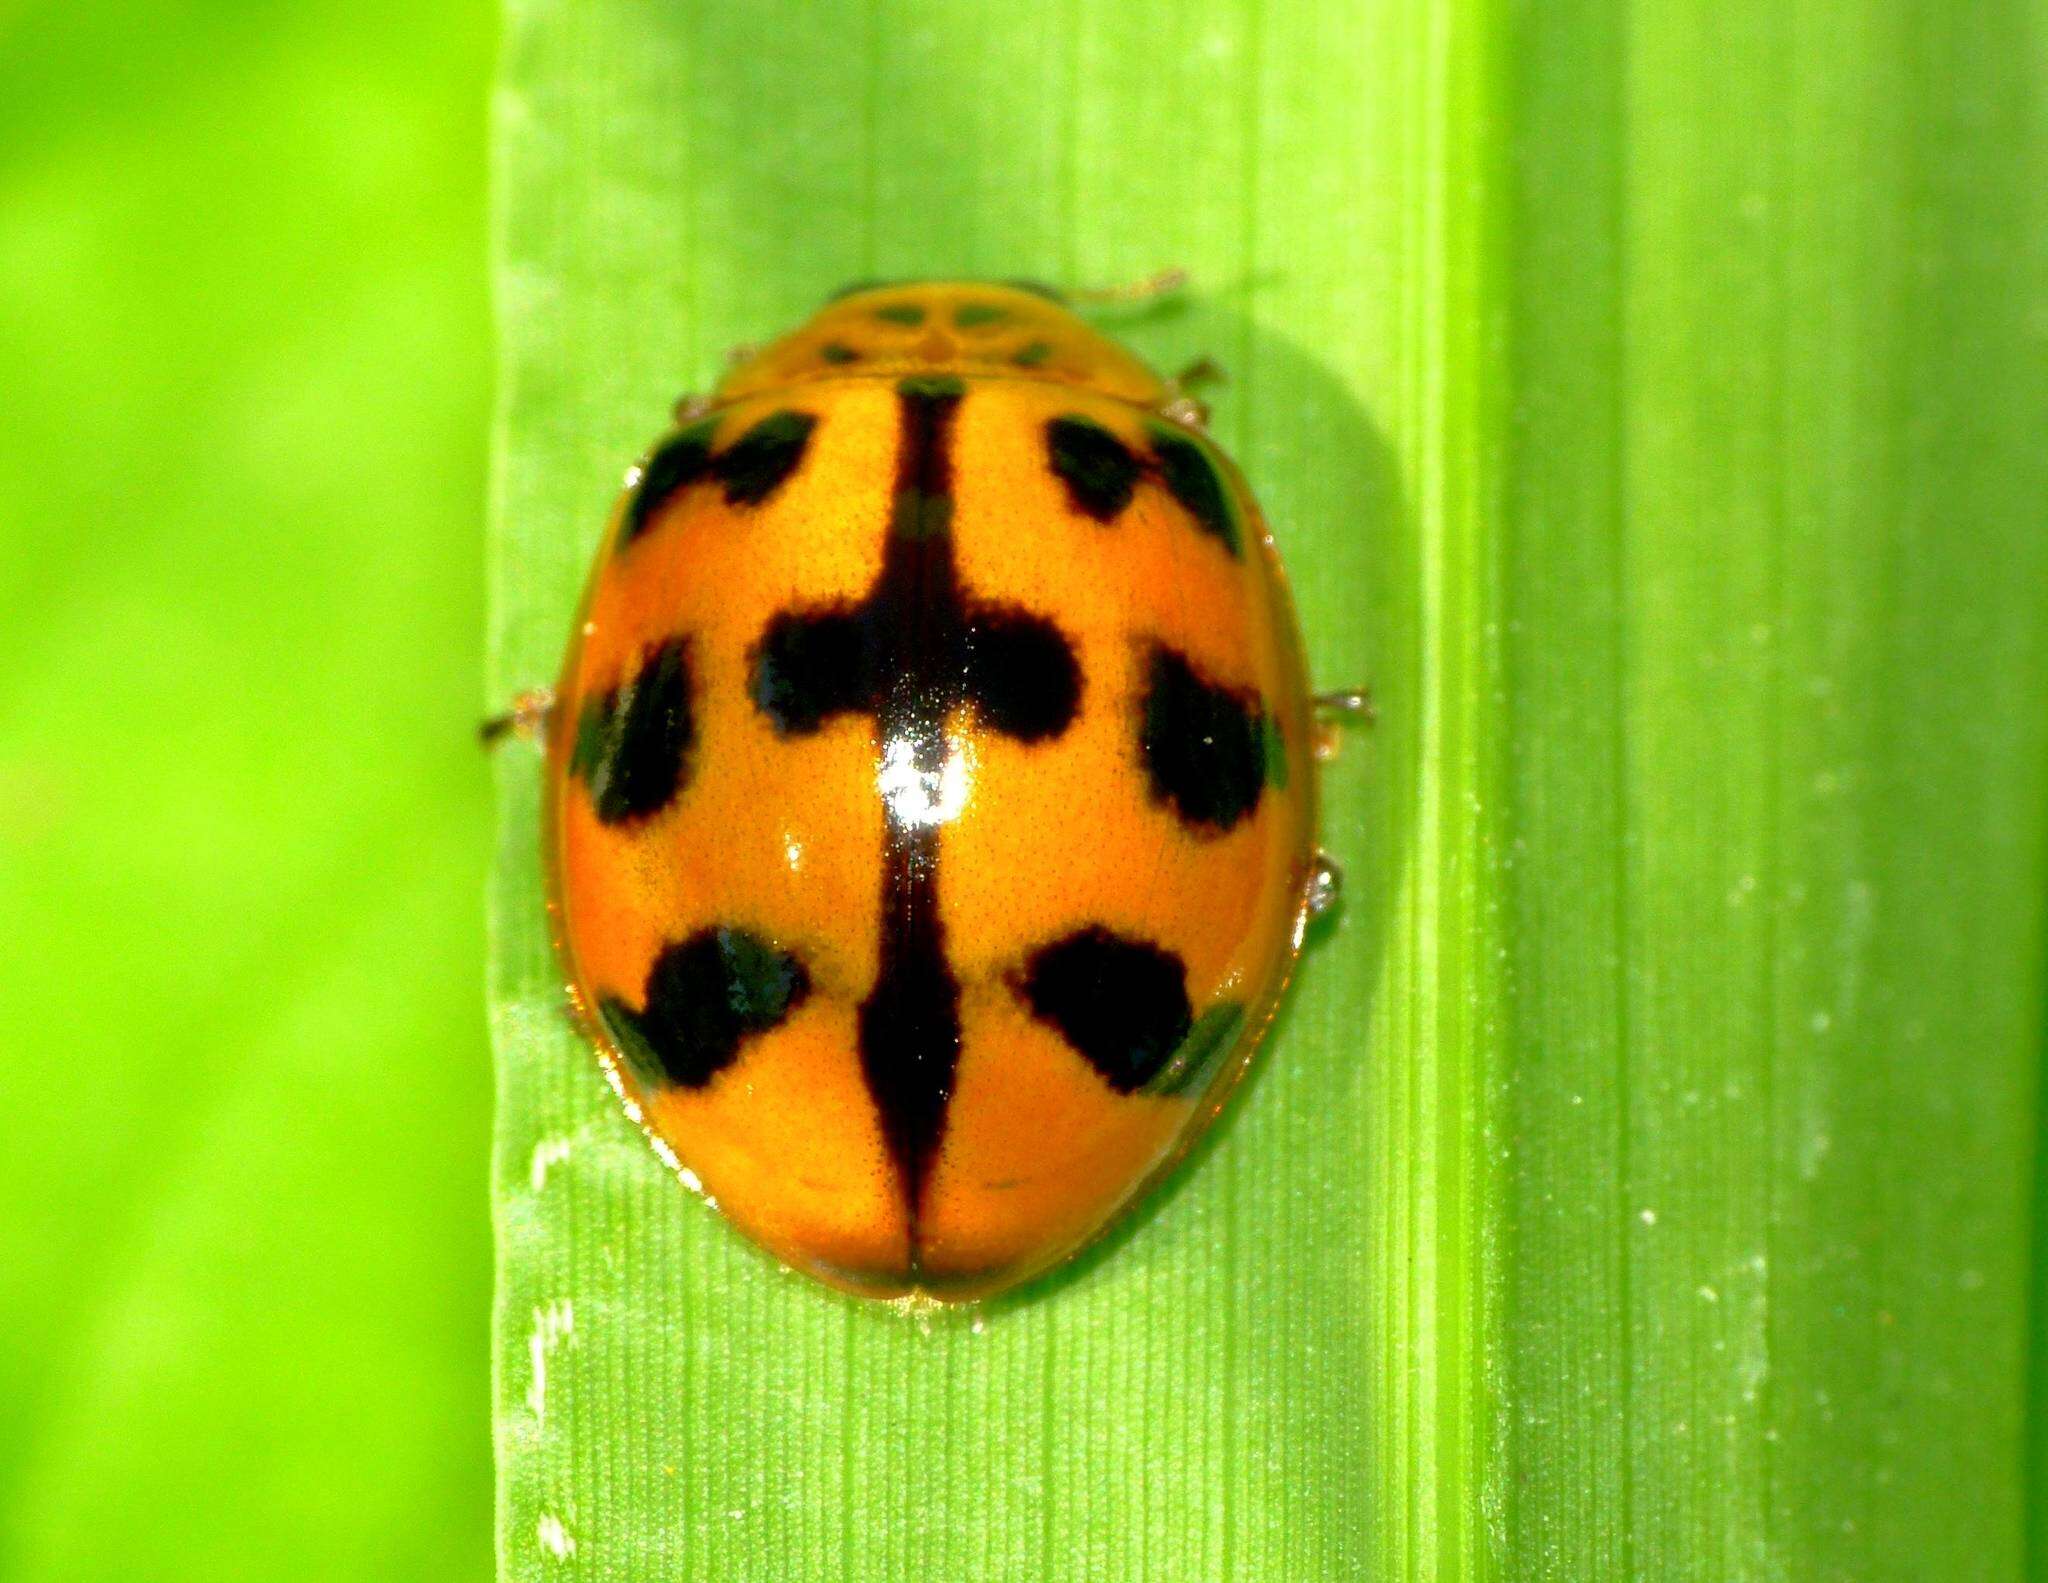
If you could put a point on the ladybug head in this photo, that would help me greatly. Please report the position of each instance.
(1014, 329)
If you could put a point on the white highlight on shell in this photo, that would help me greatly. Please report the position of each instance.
(922, 798)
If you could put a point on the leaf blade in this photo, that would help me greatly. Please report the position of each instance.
(1574, 427)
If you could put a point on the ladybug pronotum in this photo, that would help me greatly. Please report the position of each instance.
(931, 797)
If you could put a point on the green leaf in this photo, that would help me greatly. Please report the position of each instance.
(1641, 1180)
(244, 379)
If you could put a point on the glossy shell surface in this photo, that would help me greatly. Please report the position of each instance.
(931, 805)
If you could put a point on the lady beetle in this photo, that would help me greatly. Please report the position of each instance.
(931, 798)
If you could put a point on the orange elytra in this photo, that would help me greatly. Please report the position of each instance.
(931, 797)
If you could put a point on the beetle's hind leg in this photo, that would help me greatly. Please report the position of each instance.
(527, 719)
(1325, 886)
(1334, 711)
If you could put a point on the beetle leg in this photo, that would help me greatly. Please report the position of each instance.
(1347, 706)
(689, 408)
(526, 719)
(1325, 885)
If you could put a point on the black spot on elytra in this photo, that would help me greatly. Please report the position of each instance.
(752, 468)
(834, 352)
(809, 665)
(1099, 470)
(1190, 476)
(1203, 744)
(973, 315)
(1192, 1065)
(1017, 671)
(633, 742)
(1033, 355)
(704, 997)
(1021, 673)
(904, 313)
(682, 460)
(760, 461)
(1122, 1003)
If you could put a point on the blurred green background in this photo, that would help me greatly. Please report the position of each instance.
(244, 377)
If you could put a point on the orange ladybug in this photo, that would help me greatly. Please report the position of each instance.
(931, 796)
